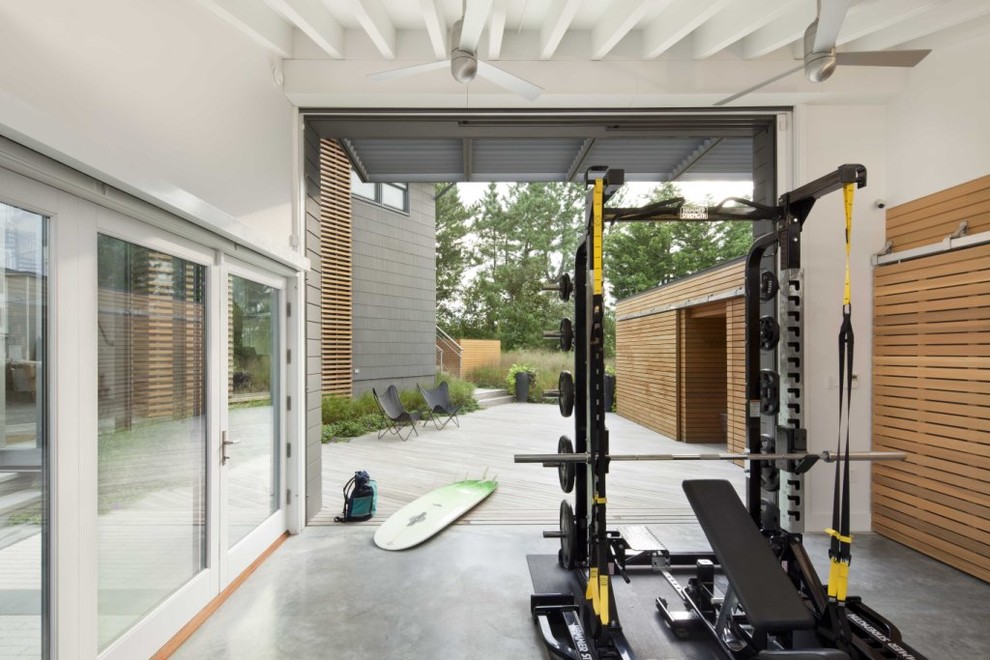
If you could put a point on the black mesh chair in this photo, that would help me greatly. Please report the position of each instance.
(438, 402)
(395, 413)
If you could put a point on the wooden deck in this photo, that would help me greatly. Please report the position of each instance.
(638, 492)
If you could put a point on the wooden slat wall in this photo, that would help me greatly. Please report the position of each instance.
(647, 354)
(646, 371)
(931, 393)
(702, 378)
(929, 219)
(735, 368)
(335, 258)
(479, 353)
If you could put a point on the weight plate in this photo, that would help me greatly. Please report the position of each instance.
(565, 385)
(568, 536)
(566, 472)
(769, 479)
(565, 287)
(769, 392)
(566, 335)
(769, 332)
(768, 285)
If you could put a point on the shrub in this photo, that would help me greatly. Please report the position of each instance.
(335, 408)
(510, 380)
(488, 375)
(461, 392)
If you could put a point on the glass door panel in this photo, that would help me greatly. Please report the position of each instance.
(24, 532)
(251, 443)
(153, 434)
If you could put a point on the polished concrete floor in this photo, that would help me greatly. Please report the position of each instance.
(330, 593)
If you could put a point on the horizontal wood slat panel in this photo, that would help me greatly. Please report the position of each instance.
(479, 353)
(929, 219)
(931, 380)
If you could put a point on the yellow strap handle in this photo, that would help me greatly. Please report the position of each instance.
(847, 196)
(597, 203)
(591, 592)
(838, 580)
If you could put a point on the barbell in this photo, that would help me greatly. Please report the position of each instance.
(553, 460)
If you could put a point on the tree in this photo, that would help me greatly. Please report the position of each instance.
(453, 256)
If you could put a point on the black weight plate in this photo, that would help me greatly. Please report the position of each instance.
(566, 335)
(768, 285)
(565, 385)
(566, 472)
(769, 392)
(769, 479)
(565, 287)
(568, 536)
(769, 332)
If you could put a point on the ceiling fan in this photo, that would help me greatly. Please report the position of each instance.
(464, 67)
(820, 56)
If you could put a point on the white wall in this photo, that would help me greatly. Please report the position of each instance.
(938, 130)
(824, 138)
(159, 98)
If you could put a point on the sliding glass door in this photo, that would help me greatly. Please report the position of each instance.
(24, 434)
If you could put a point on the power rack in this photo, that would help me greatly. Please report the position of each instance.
(762, 537)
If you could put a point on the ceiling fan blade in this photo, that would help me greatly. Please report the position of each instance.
(882, 58)
(508, 81)
(405, 72)
(831, 14)
(746, 91)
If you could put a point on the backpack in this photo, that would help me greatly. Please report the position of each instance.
(360, 498)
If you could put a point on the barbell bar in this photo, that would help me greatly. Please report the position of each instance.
(552, 460)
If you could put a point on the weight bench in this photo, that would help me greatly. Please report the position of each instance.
(756, 579)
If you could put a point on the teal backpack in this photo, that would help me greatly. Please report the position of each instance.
(360, 498)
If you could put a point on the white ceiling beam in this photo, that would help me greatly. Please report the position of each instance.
(496, 29)
(941, 16)
(436, 27)
(735, 22)
(676, 22)
(377, 24)
(313, 19)
(475, 16)
(780, 32)
(256, 21)
(619, 19)
(864, 20)
(558, 20)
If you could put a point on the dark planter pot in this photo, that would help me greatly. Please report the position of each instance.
(609, 392)
(522, 386)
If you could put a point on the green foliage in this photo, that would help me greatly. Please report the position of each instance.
(453, 256)
(461, 392)
(487, 376)
(640, 256)
(514, 370)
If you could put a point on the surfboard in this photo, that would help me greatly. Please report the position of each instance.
(428, 515)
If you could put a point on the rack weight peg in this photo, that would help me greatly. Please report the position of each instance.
(565, 334)
(564, 287)
(565, 385)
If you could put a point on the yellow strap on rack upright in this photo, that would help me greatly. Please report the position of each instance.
(603, 613)
(591, 591)
(597, 203)
(847, 197)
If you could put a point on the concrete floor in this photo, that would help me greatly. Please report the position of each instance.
(330, 593)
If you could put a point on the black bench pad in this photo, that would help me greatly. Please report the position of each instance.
(770, 601)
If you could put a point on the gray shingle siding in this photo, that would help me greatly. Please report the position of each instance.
(394, 275)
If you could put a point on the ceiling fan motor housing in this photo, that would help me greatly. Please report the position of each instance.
(819, 66)
(463, 65)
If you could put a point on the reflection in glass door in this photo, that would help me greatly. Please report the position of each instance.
(251, 442)
(24, 530)
(151, 381)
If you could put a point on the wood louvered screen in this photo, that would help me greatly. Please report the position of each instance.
(931, 380)
(335, 260)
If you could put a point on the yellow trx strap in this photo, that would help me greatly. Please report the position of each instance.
(597, 593)
(598, 194)
(840, 549)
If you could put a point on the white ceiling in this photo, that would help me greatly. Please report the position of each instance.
(585, 53)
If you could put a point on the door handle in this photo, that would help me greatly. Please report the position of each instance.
(224, 443)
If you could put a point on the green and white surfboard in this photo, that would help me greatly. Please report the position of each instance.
(429, 514)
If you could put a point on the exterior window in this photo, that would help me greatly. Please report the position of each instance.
(393, 195)
(24, 538)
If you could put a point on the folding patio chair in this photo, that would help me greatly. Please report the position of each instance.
(438, 402)
(395, 413)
